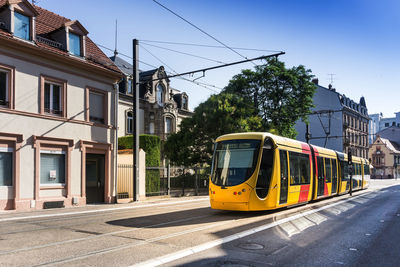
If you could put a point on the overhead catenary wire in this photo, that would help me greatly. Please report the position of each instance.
(203, 84)
(198, 28)
(184, 53)
(209, 46)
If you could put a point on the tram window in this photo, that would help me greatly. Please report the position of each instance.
(366, 169)
(321, 172)
(334, 169)
(265, 172)
(284, 164)
(328, 170)
(344, 166)
(299, 168)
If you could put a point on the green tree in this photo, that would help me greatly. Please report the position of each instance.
(220, 114)
(280, 96)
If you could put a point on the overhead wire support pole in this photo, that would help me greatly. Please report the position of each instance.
(220, 66)
(135, 111)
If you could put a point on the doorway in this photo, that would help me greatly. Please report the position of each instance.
(95, 178)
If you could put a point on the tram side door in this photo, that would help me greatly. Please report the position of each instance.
(284, 177)
(321, 176)
(334, 176)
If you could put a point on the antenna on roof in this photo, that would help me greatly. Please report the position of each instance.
(331, 74)
(116, 35)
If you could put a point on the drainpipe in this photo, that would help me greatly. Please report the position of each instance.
(116, 99)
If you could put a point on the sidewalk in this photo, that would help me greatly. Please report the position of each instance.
(12, 215)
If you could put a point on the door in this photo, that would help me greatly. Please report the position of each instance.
(284, 177)
(334, 176)
(321, 176)
(95, 177)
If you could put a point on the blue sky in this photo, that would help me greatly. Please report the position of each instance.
(357, 40)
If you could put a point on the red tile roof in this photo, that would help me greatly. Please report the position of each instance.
(47, 22)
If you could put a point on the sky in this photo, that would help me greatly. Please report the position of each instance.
(355, 40)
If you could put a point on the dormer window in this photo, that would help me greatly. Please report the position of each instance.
(184, 102)
(22, 26)
(75, 44)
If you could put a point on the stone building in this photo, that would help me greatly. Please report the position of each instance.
(338, 122)
(384, 155)
(161, 107)
(57, 95)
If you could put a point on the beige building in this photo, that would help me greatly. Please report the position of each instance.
(57, 119)
(385, 157)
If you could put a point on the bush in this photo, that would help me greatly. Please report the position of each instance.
(151, 145)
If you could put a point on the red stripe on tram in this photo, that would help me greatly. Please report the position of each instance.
(304, 189)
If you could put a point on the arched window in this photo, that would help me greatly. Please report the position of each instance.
(168, 125)
(129, 122)
(160, 94)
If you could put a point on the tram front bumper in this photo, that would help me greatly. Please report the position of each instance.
(218, 205)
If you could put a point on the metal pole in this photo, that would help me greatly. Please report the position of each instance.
(307, 134)
(135, 104)
(350, 161)
(169, 179)
(196, 181)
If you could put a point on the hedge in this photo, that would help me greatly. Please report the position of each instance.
(151, 145)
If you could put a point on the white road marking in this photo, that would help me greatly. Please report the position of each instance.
(353, 249)
(193, 250)
(367, 234)
(99, 210)
(382, 221)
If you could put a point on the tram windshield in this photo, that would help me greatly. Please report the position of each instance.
(234, 161)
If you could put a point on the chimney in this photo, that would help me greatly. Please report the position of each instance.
(330, 86)
(315, 81)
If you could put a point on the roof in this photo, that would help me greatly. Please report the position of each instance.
(393, 146)
(48, 22)
(127, 68)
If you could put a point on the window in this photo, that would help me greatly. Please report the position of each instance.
(265, 172)
(22, 26)
(168, 125)
(4, 88)
(328, 170)
(160, 94)
(52, 98)
(184, 102)
(96, 107)
(74, 44)
(299, 168)
(129, 122)
(386, 124)
(151, 128)
(52, 167)
(129, 88)
(6, 164)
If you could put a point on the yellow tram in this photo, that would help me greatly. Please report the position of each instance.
(262, 171)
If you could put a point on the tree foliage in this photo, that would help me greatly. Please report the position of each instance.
(281, 96)
(270, 98)
(220, 114)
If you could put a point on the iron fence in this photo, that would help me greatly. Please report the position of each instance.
(165, 180)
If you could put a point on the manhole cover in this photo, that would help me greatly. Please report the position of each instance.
(251, 246)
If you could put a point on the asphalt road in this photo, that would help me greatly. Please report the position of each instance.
(361, 230)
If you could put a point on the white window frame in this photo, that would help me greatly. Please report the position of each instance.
(65, 166)
(160, 87)
(129, 131)
(51, 97)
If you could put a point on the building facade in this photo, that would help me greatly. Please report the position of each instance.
(336, 122)
(385, 157)
(379, 123)
(161, 107)
(57, 95)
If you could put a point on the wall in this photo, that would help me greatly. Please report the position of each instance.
(26, 120)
